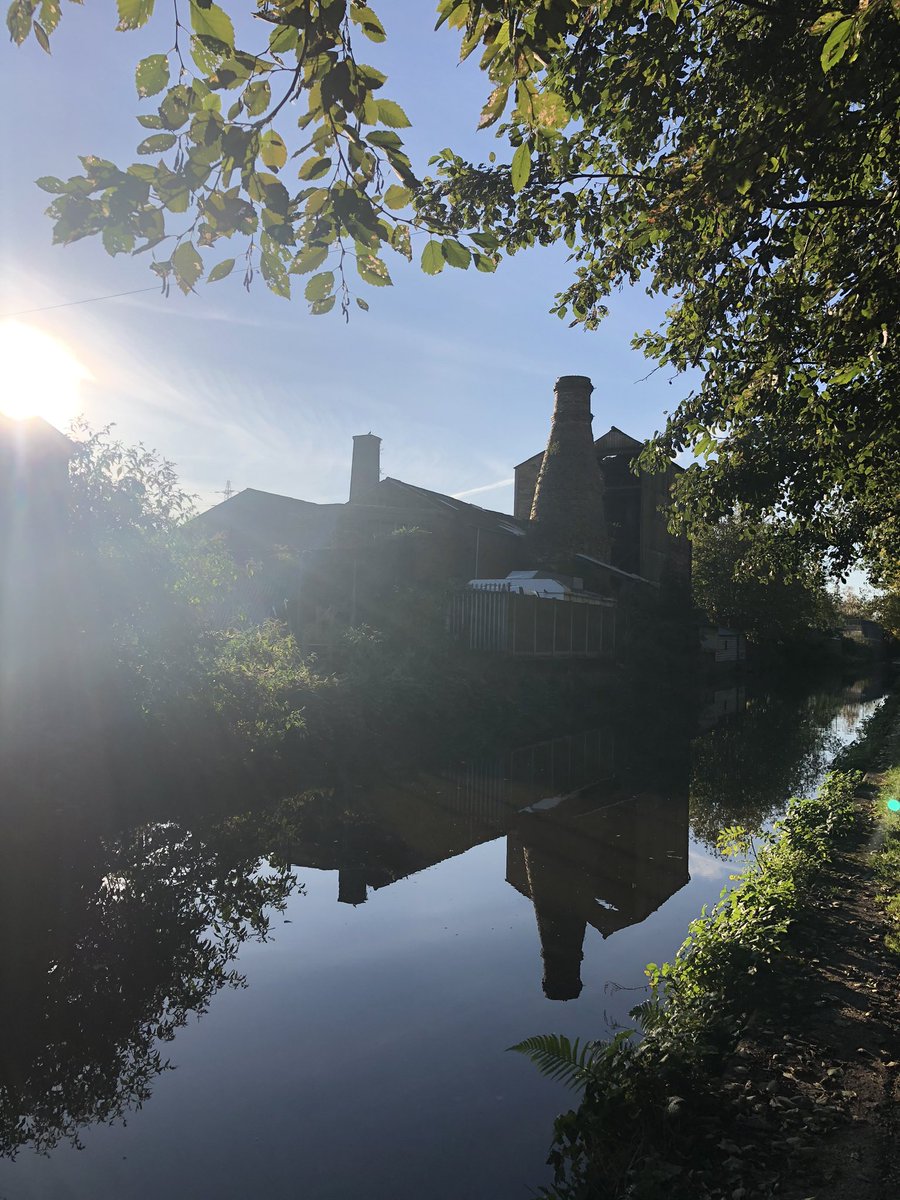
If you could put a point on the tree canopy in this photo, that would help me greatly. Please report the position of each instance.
(747, 575)
(740, 159)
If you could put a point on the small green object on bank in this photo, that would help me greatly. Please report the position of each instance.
(893, 805)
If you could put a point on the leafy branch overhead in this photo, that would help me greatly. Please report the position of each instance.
(739, 159)
(227, 157)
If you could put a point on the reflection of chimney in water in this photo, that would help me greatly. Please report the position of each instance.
(365, 471)
(567, 516)
(561, 932)
(351, 885)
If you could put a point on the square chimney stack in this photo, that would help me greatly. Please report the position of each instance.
(365, 471)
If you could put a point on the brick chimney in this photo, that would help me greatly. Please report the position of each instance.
(567, 516)
(365, 471)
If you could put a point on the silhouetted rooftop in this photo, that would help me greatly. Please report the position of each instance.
(33, 437)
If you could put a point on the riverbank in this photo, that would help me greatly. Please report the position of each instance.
(770, 1064)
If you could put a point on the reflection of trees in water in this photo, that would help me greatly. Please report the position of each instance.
(742, 771)
(112, 946)
(153, 944)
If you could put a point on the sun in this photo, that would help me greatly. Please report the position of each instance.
(39, 375)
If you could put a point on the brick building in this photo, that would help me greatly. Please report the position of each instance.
(579, 509)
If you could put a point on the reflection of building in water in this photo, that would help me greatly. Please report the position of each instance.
(585, 846)
(395, 830)
(723, 702)
(599, 859)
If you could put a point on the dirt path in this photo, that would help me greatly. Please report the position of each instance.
(852, 1037)
(811, 1098)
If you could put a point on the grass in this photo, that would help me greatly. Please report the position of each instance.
(887, 857)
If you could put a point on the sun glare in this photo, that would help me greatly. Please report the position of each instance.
(39, 375)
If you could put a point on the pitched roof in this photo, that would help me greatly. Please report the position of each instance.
(266, 517)
(614, 441)
(530, 458)
(482, 518)
(33, 436)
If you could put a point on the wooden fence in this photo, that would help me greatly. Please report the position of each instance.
(498, 620)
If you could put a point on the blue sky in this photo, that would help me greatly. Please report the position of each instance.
(455, 372)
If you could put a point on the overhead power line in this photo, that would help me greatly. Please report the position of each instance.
(24, 312)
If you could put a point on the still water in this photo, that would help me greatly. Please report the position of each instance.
(315, 999)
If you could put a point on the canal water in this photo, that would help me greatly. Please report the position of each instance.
(316, 998)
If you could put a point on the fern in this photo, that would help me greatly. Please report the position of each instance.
(571, 1063)
(648, 1014)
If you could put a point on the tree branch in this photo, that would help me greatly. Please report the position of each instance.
(842, 202)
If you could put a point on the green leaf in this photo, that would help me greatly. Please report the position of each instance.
(273, 272)
(371, 26)
(485, 264)
(401, 241)
(826, 21)
(456, 254)
(433, 258)
(133, 13)
(257, 97)
(207, 53)
(397, 197)
(846, 374)
(269, 190)
(221, 270)
(230, 74)
(373, 270)
(272, 149)
(314, 168)
(157, 143)
(362, 304)
(494, 107)
(521, 167)
(319, 307)
(175, 109)
(391, 114)
(454, 12)
(49, 183)
(836, 44)
(212, 22)
(18, 20)
(117, 240)
(41, 34)
(568, 1062)
(187, 265)
(308, 259)
(487, 241)
(549, 111)
(284, 39)
(320, 286)
(50, 14)
(143, 171)
(152, 75)
(386, 139)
